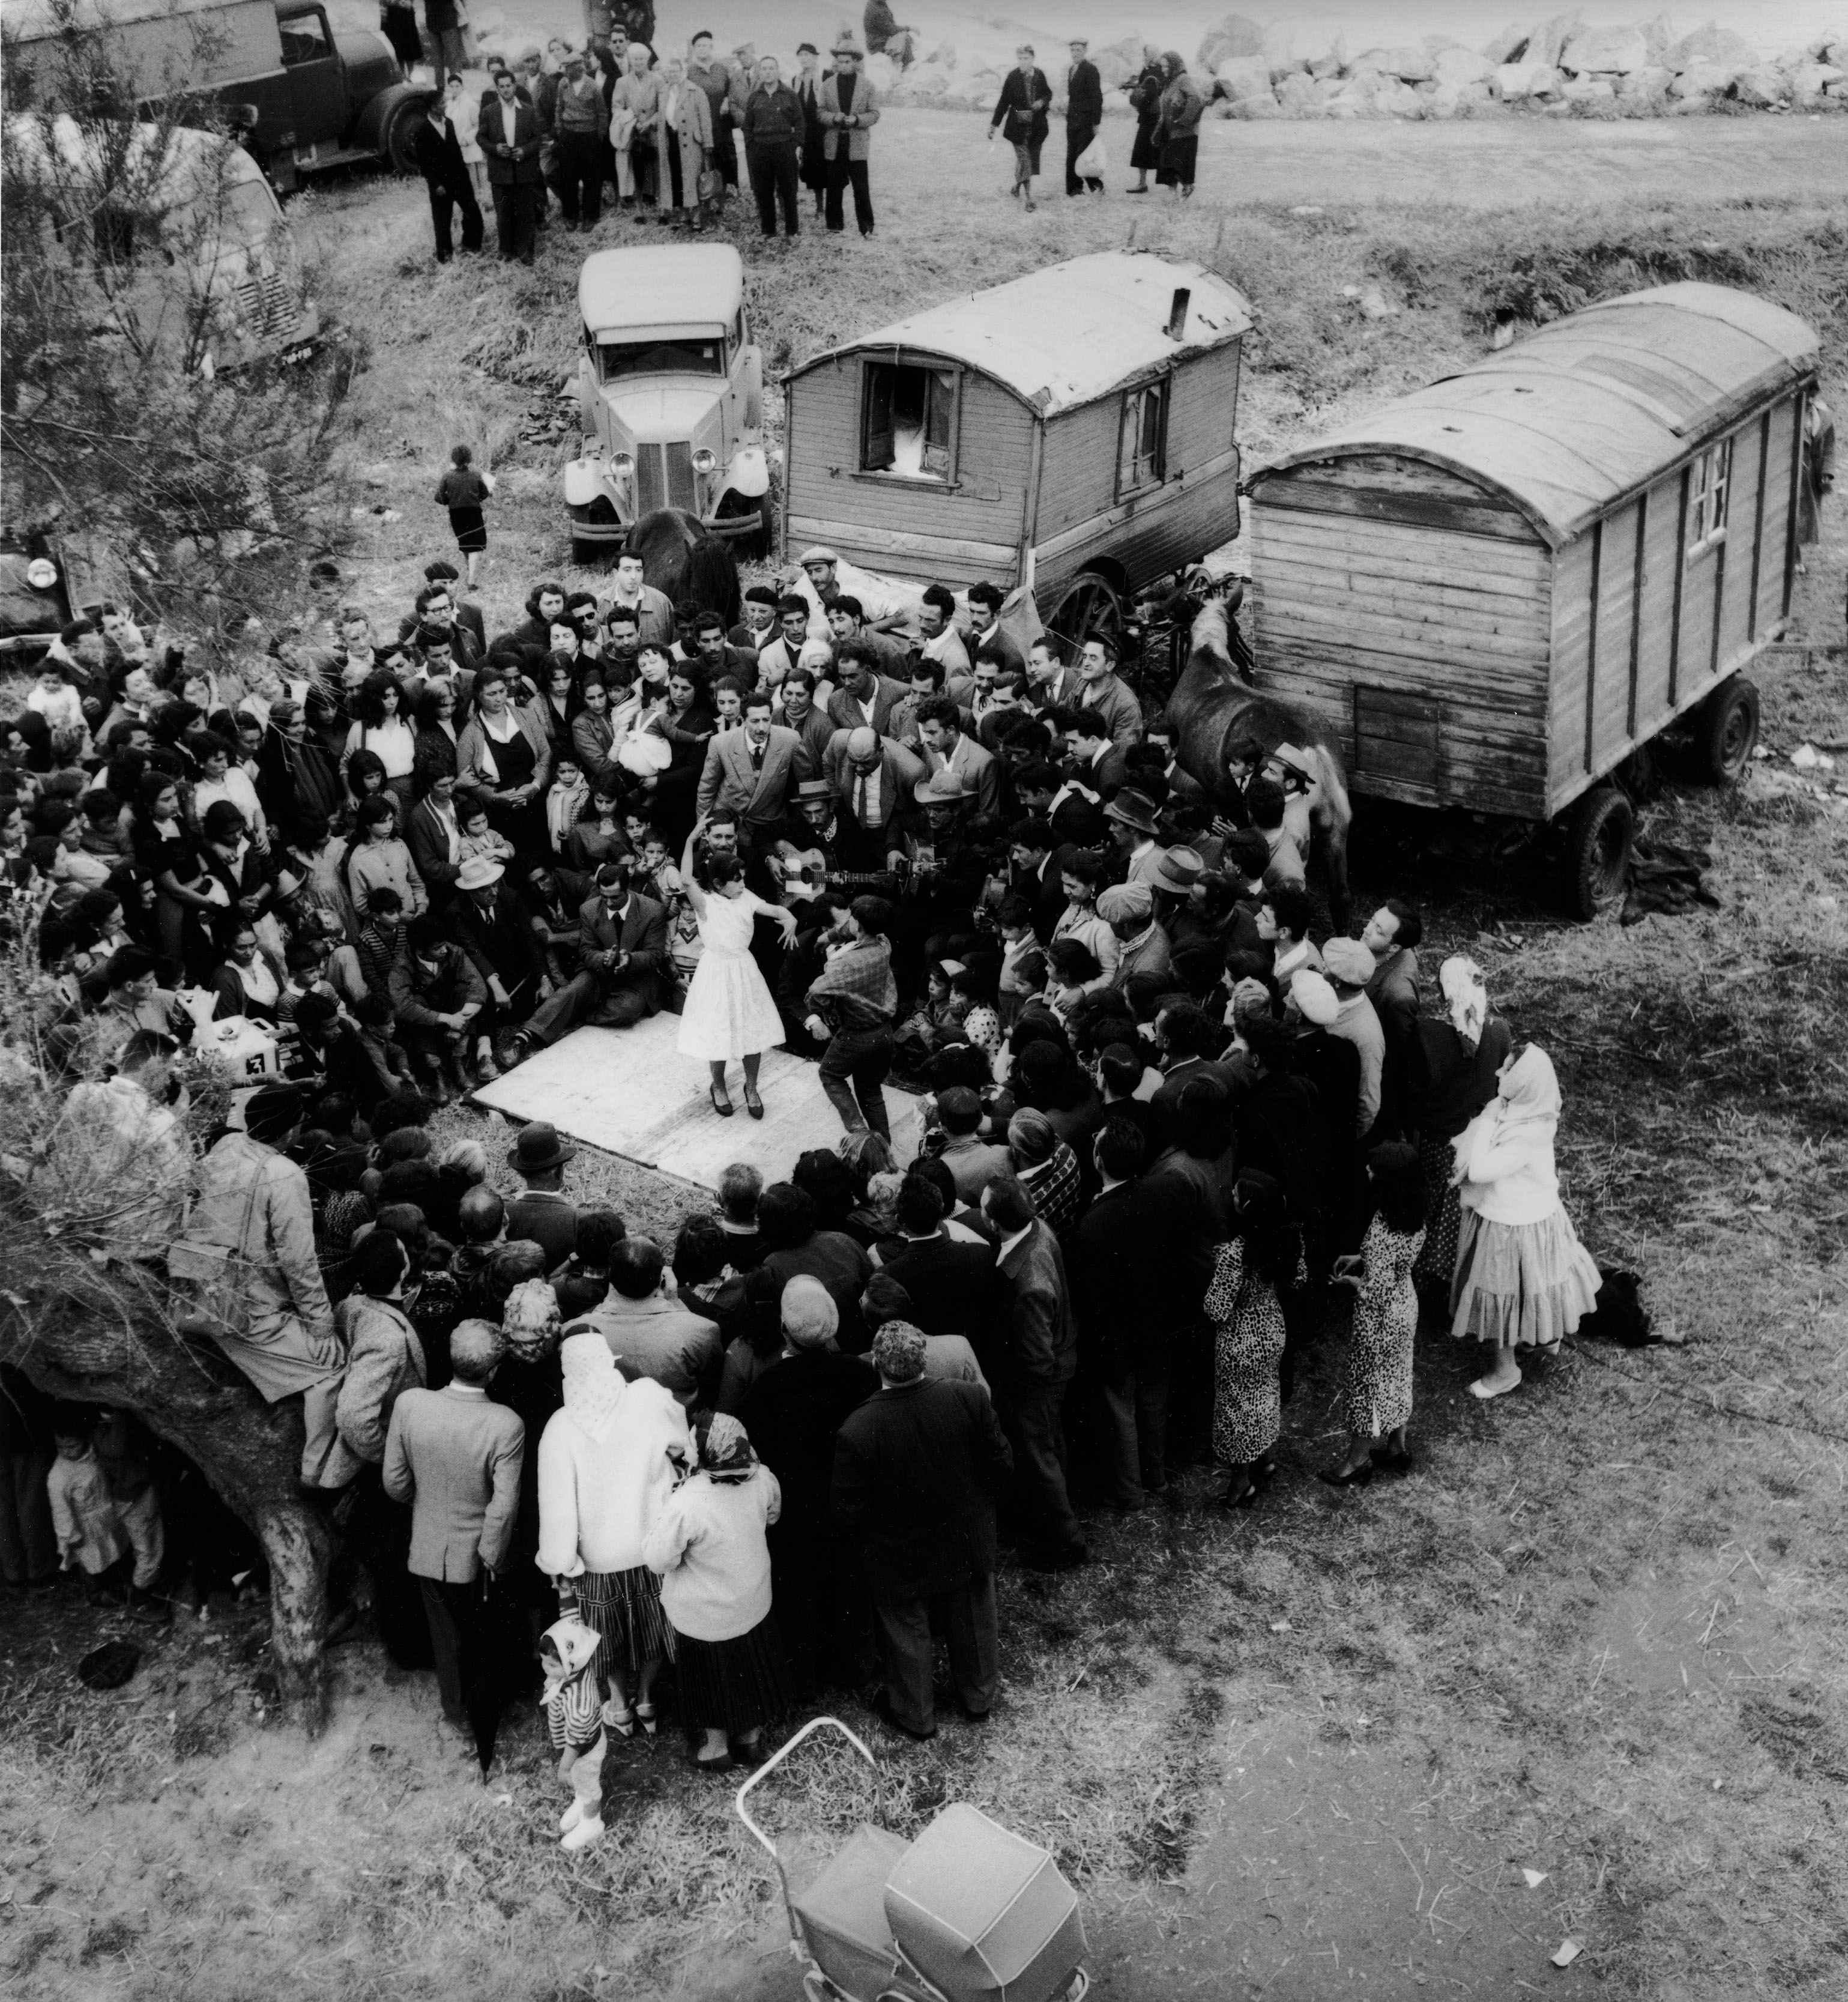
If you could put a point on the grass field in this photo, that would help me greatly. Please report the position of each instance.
(1309, 1752)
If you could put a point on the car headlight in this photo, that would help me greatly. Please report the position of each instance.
(704, 462)
(41, 573)
(621, 464)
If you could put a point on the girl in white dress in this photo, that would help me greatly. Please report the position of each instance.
(729, 1012)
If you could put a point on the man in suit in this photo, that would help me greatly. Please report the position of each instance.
(1098, 763)
(456, 1458)
(946, 748)
(950, 1282)
(1048, 685)
(494, 926)
(626, 973)
(1107, 1261)
(871, 777)
(848, 107)
(865, 697)
(436, 146)
(917, 1469)
(509, 135)
(751, 771)
(1040, 1344)
(779, 654)
(942, 642)
(1084, 113)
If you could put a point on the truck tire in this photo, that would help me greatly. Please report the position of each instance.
(1727, 732)
(394, 141)
(1598, 832)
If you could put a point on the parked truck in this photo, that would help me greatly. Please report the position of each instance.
(303, 97)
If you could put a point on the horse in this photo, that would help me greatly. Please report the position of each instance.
(1212, 707)
(681, 557)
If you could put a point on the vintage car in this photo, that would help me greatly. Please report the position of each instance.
(1070, 432)
(305, 95)
(1497, 591)
(670, 391)
(37, 599)
(194, 260)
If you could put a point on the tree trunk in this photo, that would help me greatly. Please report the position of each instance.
(248, 1452)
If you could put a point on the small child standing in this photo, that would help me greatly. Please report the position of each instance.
(91, 1537)
(573, 1709)
(462, 489)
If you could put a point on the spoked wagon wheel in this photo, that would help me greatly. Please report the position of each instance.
(1599, 834)
(1088, 608)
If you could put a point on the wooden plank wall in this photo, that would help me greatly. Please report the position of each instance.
(1157, 531)
(1343, 598)
(1666, 630)
(914, 529)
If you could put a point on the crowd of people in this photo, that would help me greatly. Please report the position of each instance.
(660, 130)
(1176, 1134)
(659, 134)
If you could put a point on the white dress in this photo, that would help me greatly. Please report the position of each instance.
(729, 1012)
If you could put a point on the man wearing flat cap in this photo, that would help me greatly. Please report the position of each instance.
(254, 1203)
(1084, 113)
(792, 1412)
(1349, 966)
(1128, 908)
(848, 107)
(917, 1470)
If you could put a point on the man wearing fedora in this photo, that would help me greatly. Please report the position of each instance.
(627, 972)
(493, 925)
(948, 748)
(848, 107)
(541, 1211)
(1138, 854)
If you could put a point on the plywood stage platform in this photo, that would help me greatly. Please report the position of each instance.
(630, 1092)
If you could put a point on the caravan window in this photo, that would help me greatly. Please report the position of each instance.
(909, 421)
(1709, 482)
(1142, 442)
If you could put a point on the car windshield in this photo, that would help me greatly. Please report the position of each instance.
(688, 356)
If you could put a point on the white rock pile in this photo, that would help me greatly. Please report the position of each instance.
(1286, 69)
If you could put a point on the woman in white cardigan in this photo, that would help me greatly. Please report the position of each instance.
(607, 1466)
(1522, 1279)
(709, 1545)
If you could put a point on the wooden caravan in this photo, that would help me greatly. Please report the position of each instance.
(1501, 587)
(1072, 430)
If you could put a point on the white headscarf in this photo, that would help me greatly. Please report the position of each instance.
(593, 1386)
(1462, 982)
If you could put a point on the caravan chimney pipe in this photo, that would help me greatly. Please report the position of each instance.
(1177, 313)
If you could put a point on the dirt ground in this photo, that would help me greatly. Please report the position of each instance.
(1311, 1752)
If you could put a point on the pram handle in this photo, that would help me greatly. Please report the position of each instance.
(763, 1772)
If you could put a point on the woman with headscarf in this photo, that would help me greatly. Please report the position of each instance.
(1183, 106)
(1523, 1280)
(1145, 101)
(1250, 1270)
(708, 1544)
(606, 1464)
(1452, 1069)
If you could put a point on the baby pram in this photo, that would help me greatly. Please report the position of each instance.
(968, 1913)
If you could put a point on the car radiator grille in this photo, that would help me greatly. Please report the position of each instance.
(664, 474)
(267, 302)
